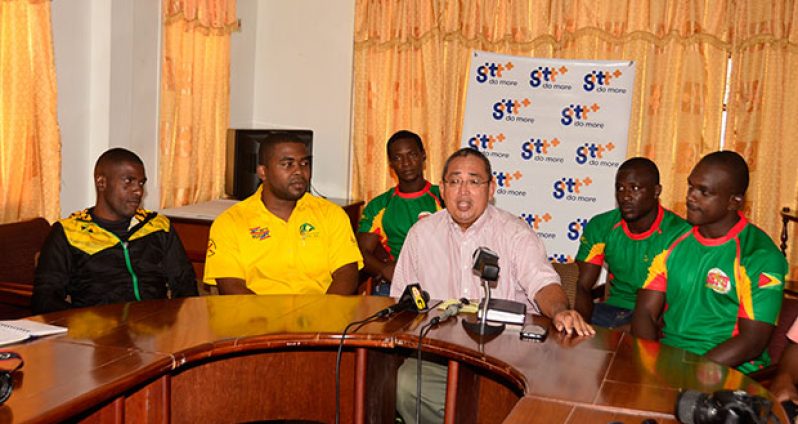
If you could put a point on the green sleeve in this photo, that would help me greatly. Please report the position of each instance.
(765, 271)
(369, 212)
(593, 239)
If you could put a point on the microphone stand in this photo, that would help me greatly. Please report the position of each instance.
(482, 327)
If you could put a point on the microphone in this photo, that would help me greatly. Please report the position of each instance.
(451, 310)
(412, 299)
(486, 264)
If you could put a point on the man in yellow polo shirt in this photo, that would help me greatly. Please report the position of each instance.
(282, 239)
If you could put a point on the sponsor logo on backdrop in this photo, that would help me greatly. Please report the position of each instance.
(536, 222)
(573, 189)
(493, 73)
(601, 82)
(486, 143)
(580, 115)
(560, 258)
(545, 77)
(575, 229)
(506, 183)
(593, 154)
(541, 150)
(510, 109)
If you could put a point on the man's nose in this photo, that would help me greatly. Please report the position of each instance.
(690, 194)
(626, 195)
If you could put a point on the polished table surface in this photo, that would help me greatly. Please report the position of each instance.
(120, 351)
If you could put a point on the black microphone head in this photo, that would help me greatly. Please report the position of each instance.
(413, 298)
(486, 264)
(420, 297)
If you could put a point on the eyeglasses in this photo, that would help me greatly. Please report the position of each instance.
(469, 183)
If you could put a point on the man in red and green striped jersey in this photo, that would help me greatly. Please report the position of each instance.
(388, 217)
(720, 285)
(626, 239)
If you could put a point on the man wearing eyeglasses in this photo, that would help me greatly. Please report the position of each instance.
(438, 254)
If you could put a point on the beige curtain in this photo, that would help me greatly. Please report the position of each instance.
(411, 63)
(195, 99)
(30, 144)
(762, 112)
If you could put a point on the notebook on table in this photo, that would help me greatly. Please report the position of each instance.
(23, 329)
(506, 311)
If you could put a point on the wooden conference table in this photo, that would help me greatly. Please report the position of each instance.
(242, 358)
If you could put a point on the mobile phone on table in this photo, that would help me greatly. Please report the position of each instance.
(534, 332)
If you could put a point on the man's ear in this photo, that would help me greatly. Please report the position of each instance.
(261, 171)
(100, 182)
(657, 190)
(736, 202)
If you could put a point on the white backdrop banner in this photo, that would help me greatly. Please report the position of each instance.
(555, 132)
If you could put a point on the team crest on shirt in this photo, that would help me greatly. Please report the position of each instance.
(718, 281)
(259, 233)
(307, 230)
(768, 280)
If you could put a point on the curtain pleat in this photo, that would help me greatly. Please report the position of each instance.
(30, 142)
(762, 108)
(195, 99)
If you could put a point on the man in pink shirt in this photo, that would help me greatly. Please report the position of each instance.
(438, 254)
(783, 385)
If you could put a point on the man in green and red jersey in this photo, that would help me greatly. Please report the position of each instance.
(626, 239)
(720, 285)
(388, 217)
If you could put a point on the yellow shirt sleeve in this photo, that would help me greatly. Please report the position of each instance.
(222, 256)
(342, 243)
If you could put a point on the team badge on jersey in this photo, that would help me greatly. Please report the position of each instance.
(718, 281)
(259, 233)
(768, 280)
(307, 230)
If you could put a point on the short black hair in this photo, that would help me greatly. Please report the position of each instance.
(266, 147)
(403, 134)
(465, 152)
(643, 164)
(116, 155)
(733, 164)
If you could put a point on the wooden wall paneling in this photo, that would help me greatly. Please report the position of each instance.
(462, 393)
(380, 400)
(111, 413)
(287, 385)
(150, 404)
(496, 400)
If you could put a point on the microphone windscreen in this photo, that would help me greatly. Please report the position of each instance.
(486, 264)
